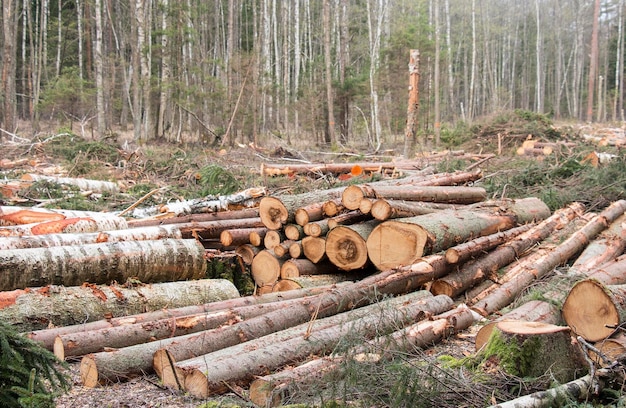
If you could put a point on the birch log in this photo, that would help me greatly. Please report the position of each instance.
(83, 184)
(65, 225)
(148, 261)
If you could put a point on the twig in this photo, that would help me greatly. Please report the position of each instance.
(142, 199)
(479, 162)
(309, 329)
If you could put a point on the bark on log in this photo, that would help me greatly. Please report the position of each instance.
(609, 245)
(505, 294)
(292, 268)
(66, 225)
(294, 232)
(204, 377)
(271, 390)
(213, 229)
(239, 236)
(130, 234)
(385, 209)
(147, 261)
(278, 211)
(594, 310)
(64, 306)
(533, 349)
(317, 228)
(476, 271)
(347, 218)
(83, 184)
(403, 241)
(532, 311)
(314, 248)
(309, 213)
(610, 273)
(209, 217)
(309, 281)
(334, 168)
(247, 252)
(265, 267)
(346, 245)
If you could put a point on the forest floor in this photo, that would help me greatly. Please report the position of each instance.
(185, 172)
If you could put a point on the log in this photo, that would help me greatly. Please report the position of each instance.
(347, 218)
(295, 250)
(613, 348)
(533, 349)
(385, 209)
(353, 195)
(99, 186)
(294, 232)
(208, 217)
(532, 311)
(314, 248)
(273, 238)
(212, 229)
(594, 310)
(609, 273)
(365, 206)
(256, 237)
(239, 236)
(271, 390)
(147, 261)
(317, 228)
(247, 252)
(282, 249)
(403, 241)
(505, 293)
(278, 211)
(51, 240)
(334, 168)
(63, 306)
(309, 281)
(66, 225)
(204, 377)
(309, 213)
(476, 271)
(609, 245)
(346, 245)
(332, 207)
(292, 268)
(265, 267)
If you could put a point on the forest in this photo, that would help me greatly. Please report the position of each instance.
(333, 71)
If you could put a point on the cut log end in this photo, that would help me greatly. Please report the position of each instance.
(170, 375)
(392, 244)
(197, 384)
(88, 372)
(262, 393)
(351, 197)
(273, 213)
(346, 249)
(58, 348)
(589, 309)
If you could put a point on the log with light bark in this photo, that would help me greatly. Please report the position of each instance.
(147, 261)
(66, 225)
(336, 168)
(534, 349)
(278, 211)
(238, 236)
(247, 252)
(346, 245)
(266, 266)
(271, 390)
(403, 241)
(217, 216)
(314, 248)
(309, 281)
(531, 311)
(294, 232)
(488, 265)
(64, 306)
(385, 209)
(353, 195)
(186, 299)
(99, 186)
(292, 268)
(504, 294)
(129, 234)
(609, 273)
(606, 247)
(212, 229)
(256, 237)
(594, 310)
(204, 376)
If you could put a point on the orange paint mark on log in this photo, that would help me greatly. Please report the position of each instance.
(56, 227)
(119, 295)
(30, 217)
(97, 292)
(9, 298)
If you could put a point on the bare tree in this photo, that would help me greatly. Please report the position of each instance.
(330, 124)
(9, 22)
(593, 63)
(99, 67)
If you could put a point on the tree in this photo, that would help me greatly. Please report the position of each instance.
(9, 22)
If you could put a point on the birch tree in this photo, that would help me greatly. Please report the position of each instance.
(9, 22)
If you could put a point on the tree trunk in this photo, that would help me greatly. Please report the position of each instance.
(403, 241)
(54, 305)
(203, 376)
(213, 229)
(476, 271)
(594, 310)
(347, 218)
(9, 63)
(278, 211)
(355, 169)
(309, 213)
(532, 349)
(247, 252)
(273, 238)
(317, 228)
(578, 390)
(146, 261)
(346, 245)
(282, 250)
(332, 208)
(328, 79)
(609, 273)
(532, 311)
(613, 348)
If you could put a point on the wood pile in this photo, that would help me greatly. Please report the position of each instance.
(417, 258)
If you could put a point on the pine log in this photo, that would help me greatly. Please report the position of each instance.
(332, 207)
(265, 267)
(309, 281)
(532, 311)
(66, 225)
(256, 237)
(247, 252)
(309, 213)
(314, 248)
(505, 294)
(609, 245)
(385, 209)
(476, 271)
(317, 228)
(294, 232)
(292, 268)
(295, 250)
(282, 249)
(64, 306)
(273, 238)
(347, 218)
(213, 229)
(208, 217)
(203, 376)
(130, 234)
(346, 245)
(223, 343)
(239, 236)
(271, 390)
(403, 241)
(594, 310)
(184, 293)
(83, 184)
(278, 211)
(147, 261)
(533, 349)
